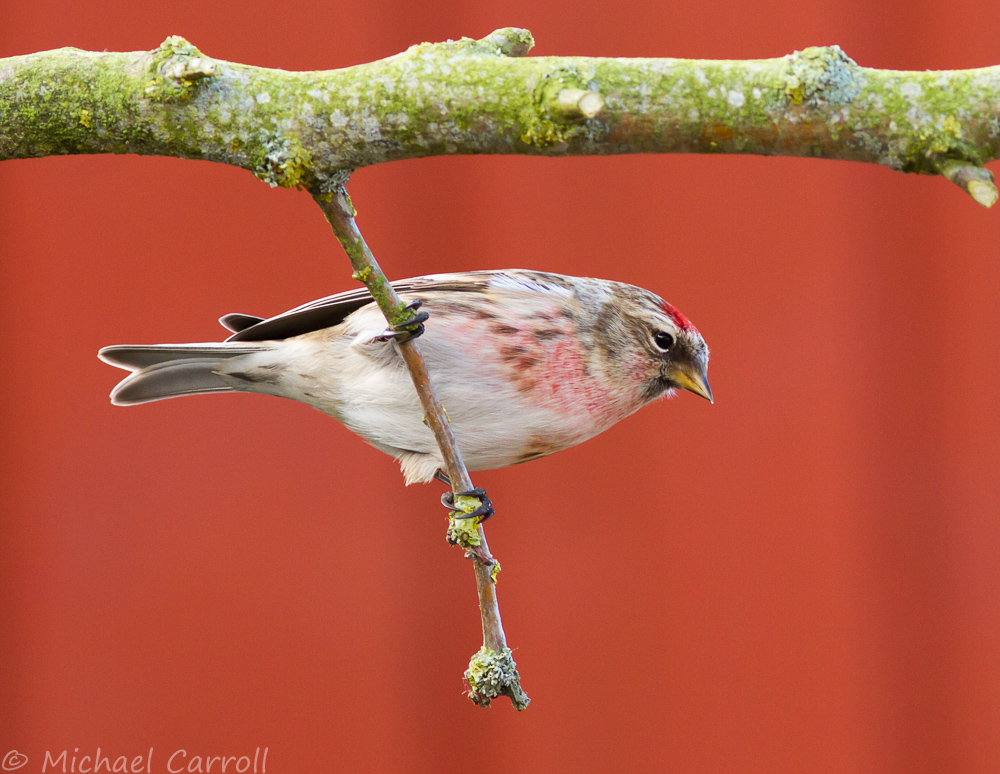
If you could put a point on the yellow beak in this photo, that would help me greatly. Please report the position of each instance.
(692, 379)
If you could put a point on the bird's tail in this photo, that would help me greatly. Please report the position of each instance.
(171, 370)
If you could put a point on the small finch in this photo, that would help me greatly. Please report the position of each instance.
(525, 363)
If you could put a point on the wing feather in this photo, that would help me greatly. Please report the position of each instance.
(235, 322)
(333, 310)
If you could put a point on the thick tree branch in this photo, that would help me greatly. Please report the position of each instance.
(471, 96)
(492, 671)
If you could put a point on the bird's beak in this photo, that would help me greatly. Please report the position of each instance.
(693, 379)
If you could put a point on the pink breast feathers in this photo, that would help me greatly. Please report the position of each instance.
(543, 358)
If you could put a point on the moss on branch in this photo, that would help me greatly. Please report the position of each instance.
(475, 96)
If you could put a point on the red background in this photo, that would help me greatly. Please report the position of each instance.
(802, 577)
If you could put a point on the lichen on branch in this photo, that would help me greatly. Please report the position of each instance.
(469, 96)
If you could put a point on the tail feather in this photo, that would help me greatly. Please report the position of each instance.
(170, 370)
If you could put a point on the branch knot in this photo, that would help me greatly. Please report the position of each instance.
(177, 68)
(821, 75)
(974, 180)
(564, 100)
(510, 41)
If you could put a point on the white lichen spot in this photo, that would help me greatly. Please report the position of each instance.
(224, 115)
(315, 93)
(693, 115)
(918, 117)
(892, 126)
(911, 90)
(372, 128)
(712, 93)
(756, 93)
(736, 98)
(263, 98)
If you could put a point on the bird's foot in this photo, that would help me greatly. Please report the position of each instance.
(409, 329)
(483, 512)
(462, 532)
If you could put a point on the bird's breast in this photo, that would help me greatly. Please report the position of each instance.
(523, 377)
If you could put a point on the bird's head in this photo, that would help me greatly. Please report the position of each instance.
(650, 341)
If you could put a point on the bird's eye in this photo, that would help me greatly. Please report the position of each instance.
(663, 340)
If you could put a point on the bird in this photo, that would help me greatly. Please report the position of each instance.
(526, 363)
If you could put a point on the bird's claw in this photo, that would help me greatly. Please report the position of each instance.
(409, 329)
(483, 512)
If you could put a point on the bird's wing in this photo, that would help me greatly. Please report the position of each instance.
(332, 310)
(235, 322)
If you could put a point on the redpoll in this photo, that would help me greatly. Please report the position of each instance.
(525, 363)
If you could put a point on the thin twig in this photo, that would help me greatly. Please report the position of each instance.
(492, 671)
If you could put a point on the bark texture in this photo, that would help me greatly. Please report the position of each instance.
(469, 96)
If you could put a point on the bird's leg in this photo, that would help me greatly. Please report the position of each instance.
(409, 329)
